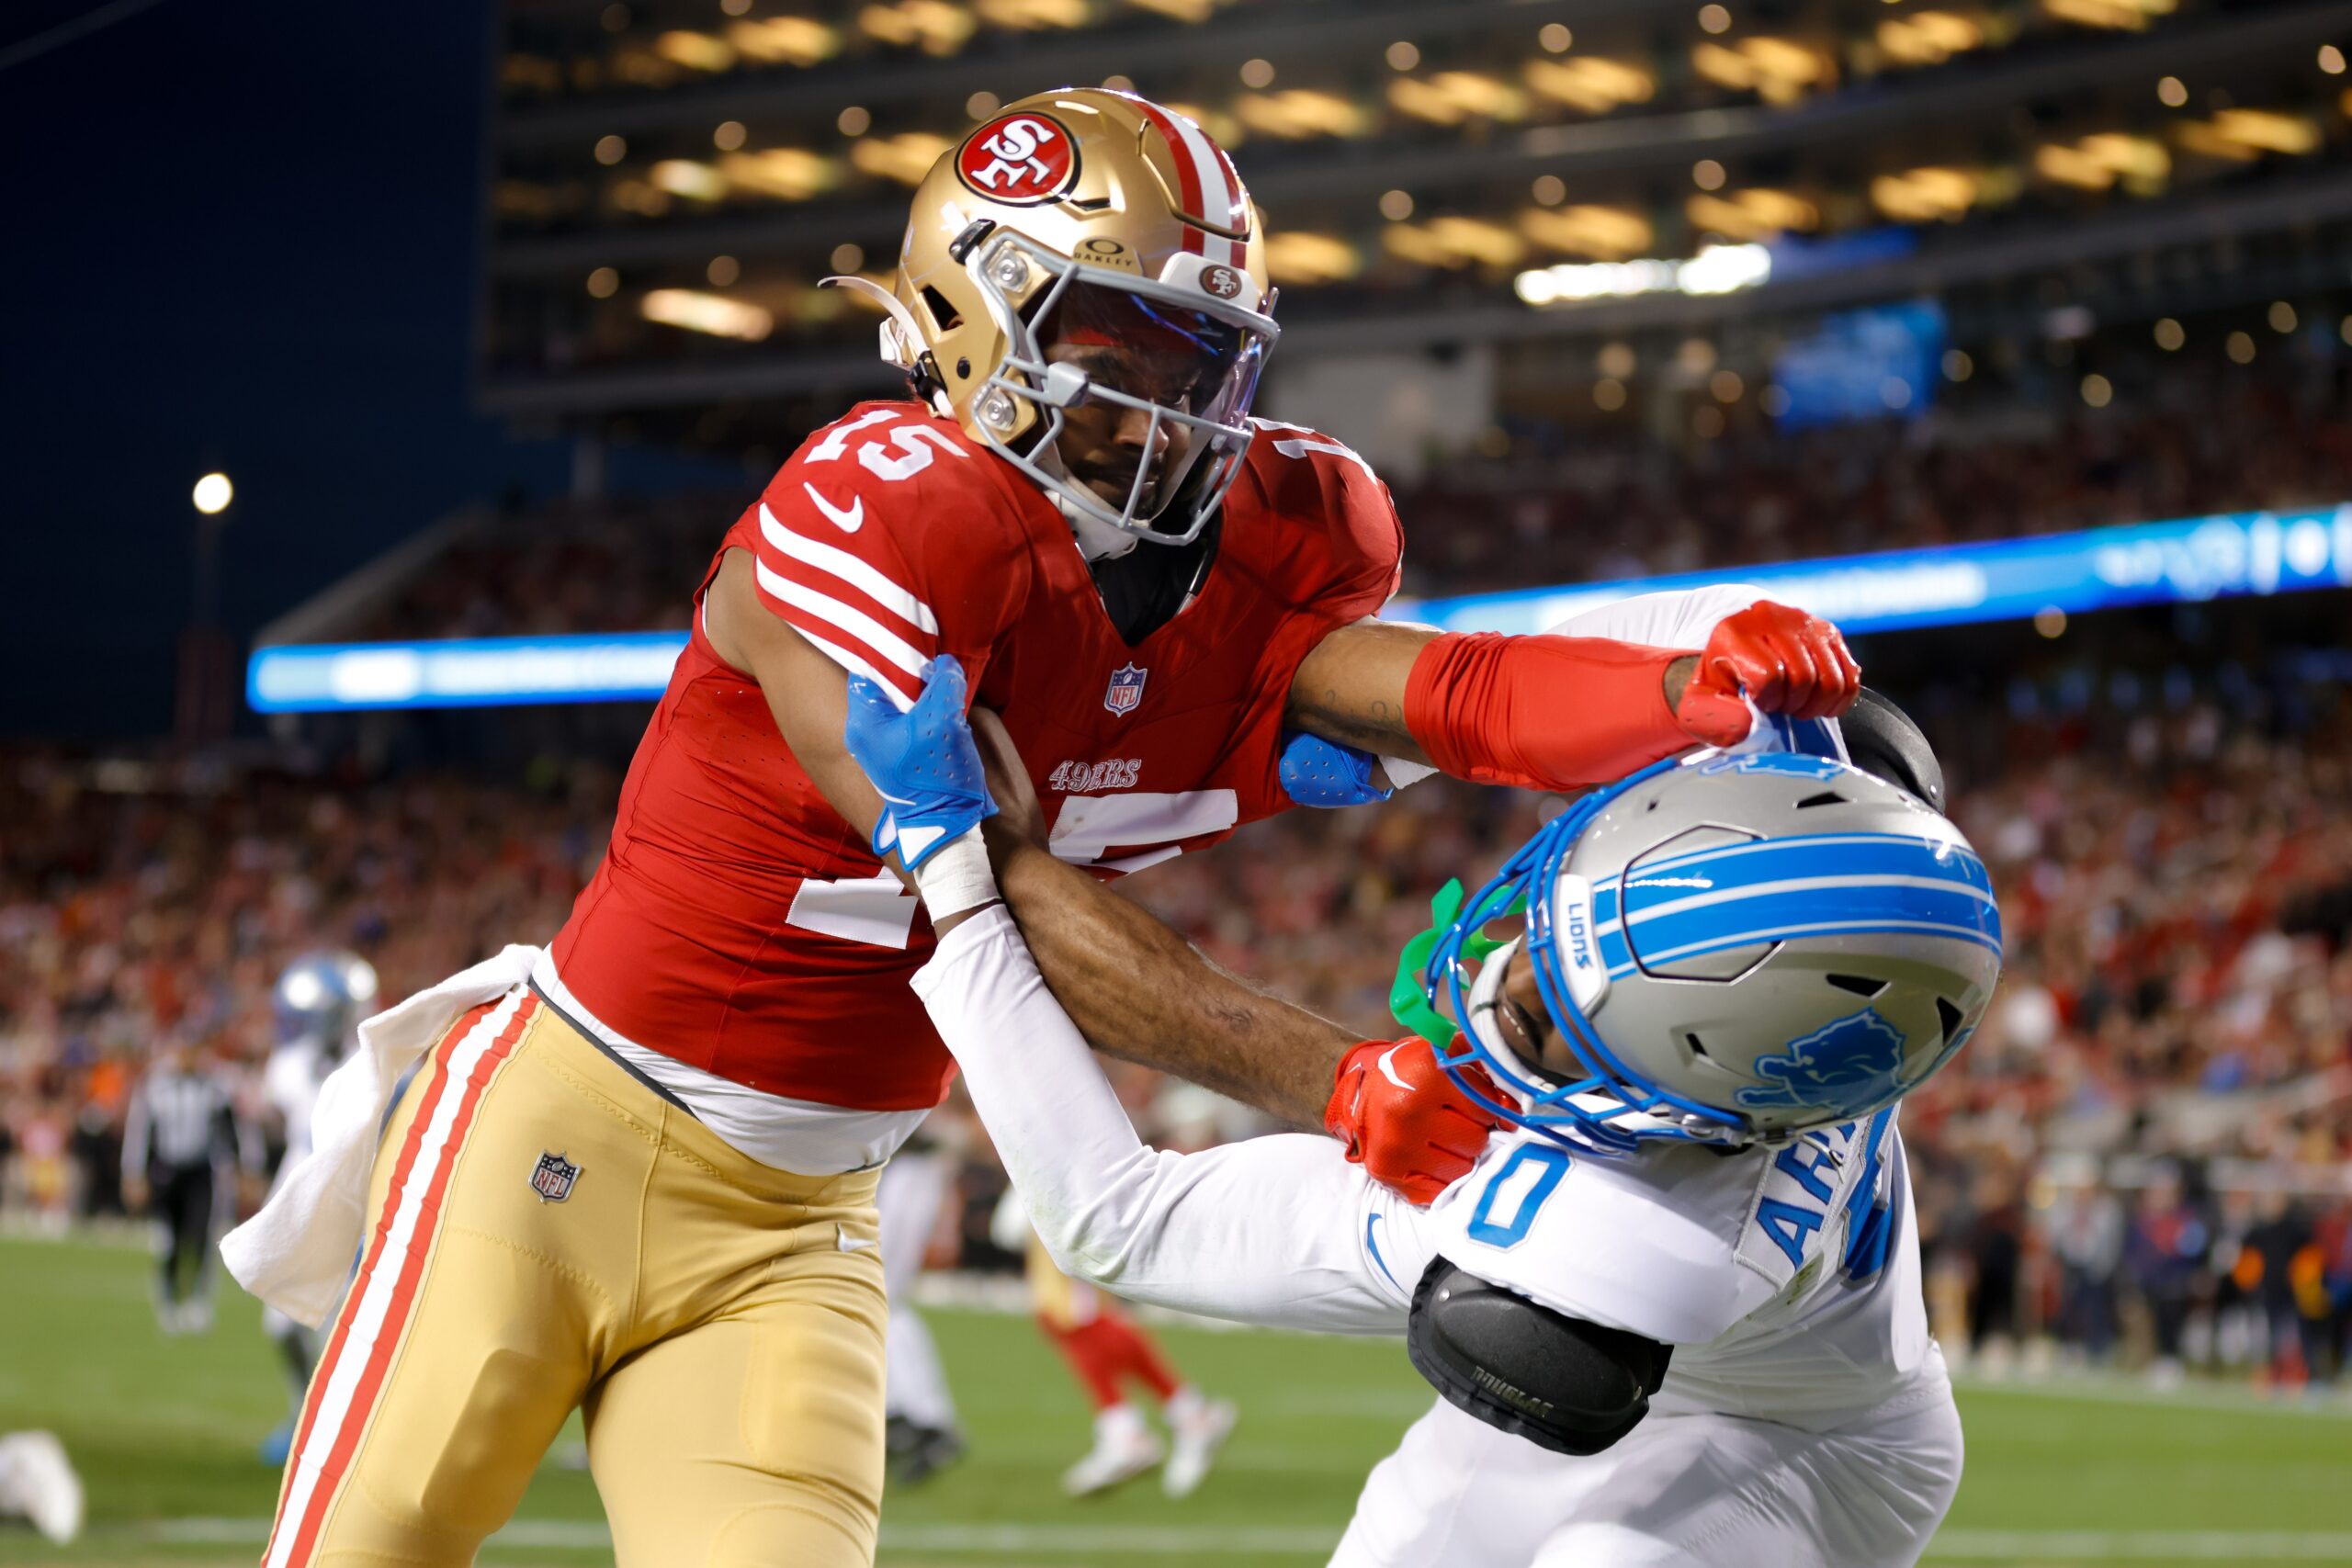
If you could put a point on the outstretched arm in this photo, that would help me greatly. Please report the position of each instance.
(1561, 712)
(1280, 1231)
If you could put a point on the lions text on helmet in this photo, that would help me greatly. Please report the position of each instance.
(1083, 289)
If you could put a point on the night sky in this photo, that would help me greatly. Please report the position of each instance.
(238, 234)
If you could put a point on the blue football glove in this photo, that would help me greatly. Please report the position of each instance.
(1316, 772)
(923, 763)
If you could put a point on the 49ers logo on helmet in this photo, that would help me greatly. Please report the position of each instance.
(1020, 159)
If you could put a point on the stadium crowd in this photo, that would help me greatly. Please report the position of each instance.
(1558, 503)
(2139, 1157)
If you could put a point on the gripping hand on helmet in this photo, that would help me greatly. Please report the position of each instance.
(1770, 659)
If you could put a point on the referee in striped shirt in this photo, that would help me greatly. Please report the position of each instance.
(181, 1145)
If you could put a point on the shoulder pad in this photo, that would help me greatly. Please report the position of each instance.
(1646, 1242)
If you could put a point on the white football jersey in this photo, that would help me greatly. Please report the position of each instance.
(291, 1080)
(1788, 1280)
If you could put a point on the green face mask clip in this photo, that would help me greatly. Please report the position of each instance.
(1409, 997)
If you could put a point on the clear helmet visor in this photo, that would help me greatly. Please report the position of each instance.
(1167, 387)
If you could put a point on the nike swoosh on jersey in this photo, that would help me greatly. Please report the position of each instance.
(849, 520)
(1388, 1071)
(848, 1243)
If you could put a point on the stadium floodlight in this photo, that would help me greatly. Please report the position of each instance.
(1716, 269)
(213, 494)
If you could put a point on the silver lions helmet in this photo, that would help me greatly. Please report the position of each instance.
(1725, 949)
(321, 996)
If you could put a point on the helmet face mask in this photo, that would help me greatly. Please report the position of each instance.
(1085, 219)
(1727, 950)
(1125, 389)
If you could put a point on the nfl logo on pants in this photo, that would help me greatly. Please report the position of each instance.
(1125, 688)
(554, 1177)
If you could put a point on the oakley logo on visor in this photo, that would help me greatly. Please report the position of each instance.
(1020, 159)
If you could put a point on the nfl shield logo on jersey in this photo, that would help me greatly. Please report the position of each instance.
(1125, 688)
(554, 1177)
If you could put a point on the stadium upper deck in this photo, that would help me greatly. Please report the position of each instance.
(671, 178)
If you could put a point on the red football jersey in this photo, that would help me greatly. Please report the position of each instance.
(739, 925)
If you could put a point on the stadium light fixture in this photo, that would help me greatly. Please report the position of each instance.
(1603, 233)
(1298, 114)
(1454, 242)
(1779, 71)
(1716, 269)
(1032, 15)
(1930, 37)
(784, 40)
(683, 176)
(699, 312)
(789, 174)
(696, 52)
(1588, 84)
(2119, 16)
(1301, 259)
(1456, 97)
(932, 25)
(905, 158)
(1755, 214)
(213, 494)
(2098, 162)
(1928, 195)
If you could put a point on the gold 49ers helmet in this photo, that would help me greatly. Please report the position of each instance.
(1087, 247)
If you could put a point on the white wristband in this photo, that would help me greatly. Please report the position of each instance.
(957, 877)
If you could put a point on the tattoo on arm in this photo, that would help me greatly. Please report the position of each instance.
(1350, 688)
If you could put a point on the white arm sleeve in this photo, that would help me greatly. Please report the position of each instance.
(1682, 617)
(1281, 1230)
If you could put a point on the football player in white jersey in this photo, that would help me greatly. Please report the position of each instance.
(1674, 1312)
(319, 1004)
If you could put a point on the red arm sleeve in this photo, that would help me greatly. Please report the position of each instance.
(1541, 712)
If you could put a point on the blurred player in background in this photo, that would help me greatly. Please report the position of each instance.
(183, 1145)
(317, 1006)
(1106, 1351)
(919, 1184)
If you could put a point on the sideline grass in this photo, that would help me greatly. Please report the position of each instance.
(163, 1432)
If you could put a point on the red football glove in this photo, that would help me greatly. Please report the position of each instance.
(1404, 1119)
(1787, 661)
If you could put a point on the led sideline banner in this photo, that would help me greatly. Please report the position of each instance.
(461, 673)
(2149, 563)
(2001, 579)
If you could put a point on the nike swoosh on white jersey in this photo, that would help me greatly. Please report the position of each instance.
(848, 1243)
(1389, 1072)
(848, 520)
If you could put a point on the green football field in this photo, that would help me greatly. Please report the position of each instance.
(163, 1433)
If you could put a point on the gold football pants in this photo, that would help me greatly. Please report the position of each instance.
(548, 1231)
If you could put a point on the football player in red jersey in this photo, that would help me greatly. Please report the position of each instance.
(643, 1182)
